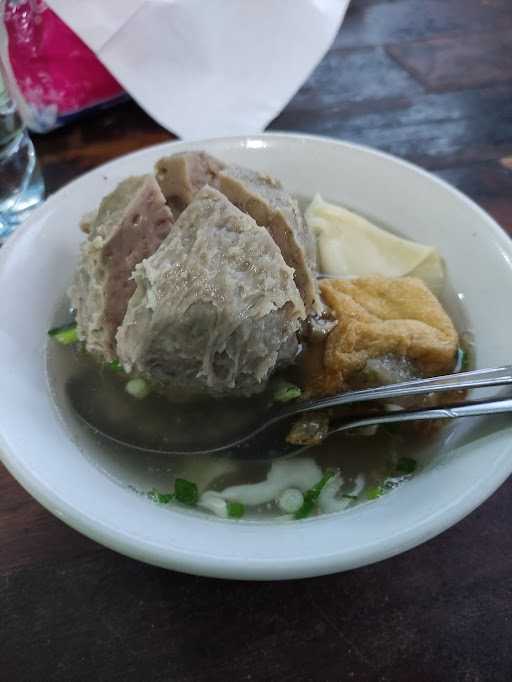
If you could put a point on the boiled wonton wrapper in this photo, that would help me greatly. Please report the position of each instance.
(351, 246)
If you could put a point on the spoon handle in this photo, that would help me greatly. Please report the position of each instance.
(478, 378)
(475, 409)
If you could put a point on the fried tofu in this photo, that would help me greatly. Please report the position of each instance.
(392, 326)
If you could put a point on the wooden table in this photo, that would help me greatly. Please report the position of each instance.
(430, 81)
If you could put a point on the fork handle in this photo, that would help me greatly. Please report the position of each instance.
(476, 409)
(478, 378)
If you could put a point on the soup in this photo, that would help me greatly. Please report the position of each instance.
(344, 470)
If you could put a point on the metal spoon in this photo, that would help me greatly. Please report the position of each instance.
(264, 436)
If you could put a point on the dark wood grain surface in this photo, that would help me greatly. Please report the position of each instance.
(430, 81)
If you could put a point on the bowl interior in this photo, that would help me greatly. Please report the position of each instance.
(90, 489)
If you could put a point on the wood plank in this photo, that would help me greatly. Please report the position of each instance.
(500, 208)
(395, 21)
(29, 534)
(482, 180)
(422, 108)
(489, 184)
(437, 130)
(355, 79)
(451, 63)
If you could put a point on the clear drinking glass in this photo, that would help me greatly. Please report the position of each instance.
(21, 183)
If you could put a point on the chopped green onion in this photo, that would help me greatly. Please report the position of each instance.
(374, 492)
(185, 491)
(311, 496)
(318, 487)
(137, 388)
(461, 360)
(161, 498)
(115, 366)
(285, 391)
(306, 510)
(65, 335)
(406, 465)
(235, 510)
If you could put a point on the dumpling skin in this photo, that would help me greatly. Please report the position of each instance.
(216, 307)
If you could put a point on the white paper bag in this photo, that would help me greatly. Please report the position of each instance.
(205, 68)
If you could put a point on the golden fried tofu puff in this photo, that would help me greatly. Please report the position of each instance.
(388, 330)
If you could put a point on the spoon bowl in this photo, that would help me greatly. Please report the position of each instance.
(155, 425)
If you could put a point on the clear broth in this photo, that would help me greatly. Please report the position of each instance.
(353, 455)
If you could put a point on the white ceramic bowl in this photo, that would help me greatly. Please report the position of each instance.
(35, 269)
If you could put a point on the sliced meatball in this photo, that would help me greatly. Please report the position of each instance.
(263, 198)
(129, 226)
(180, 176)
(216, 308)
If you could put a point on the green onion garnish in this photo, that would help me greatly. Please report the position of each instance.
(311, 496)
(65, 335)
(161, 498)
(235, 510)
(406, 465)
(461, 360)
(374, 492)
(115, 366)
(285, 391)
(185, 491)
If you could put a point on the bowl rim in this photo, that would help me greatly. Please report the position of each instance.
(244, 567)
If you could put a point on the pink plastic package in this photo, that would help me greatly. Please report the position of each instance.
(51, 74)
